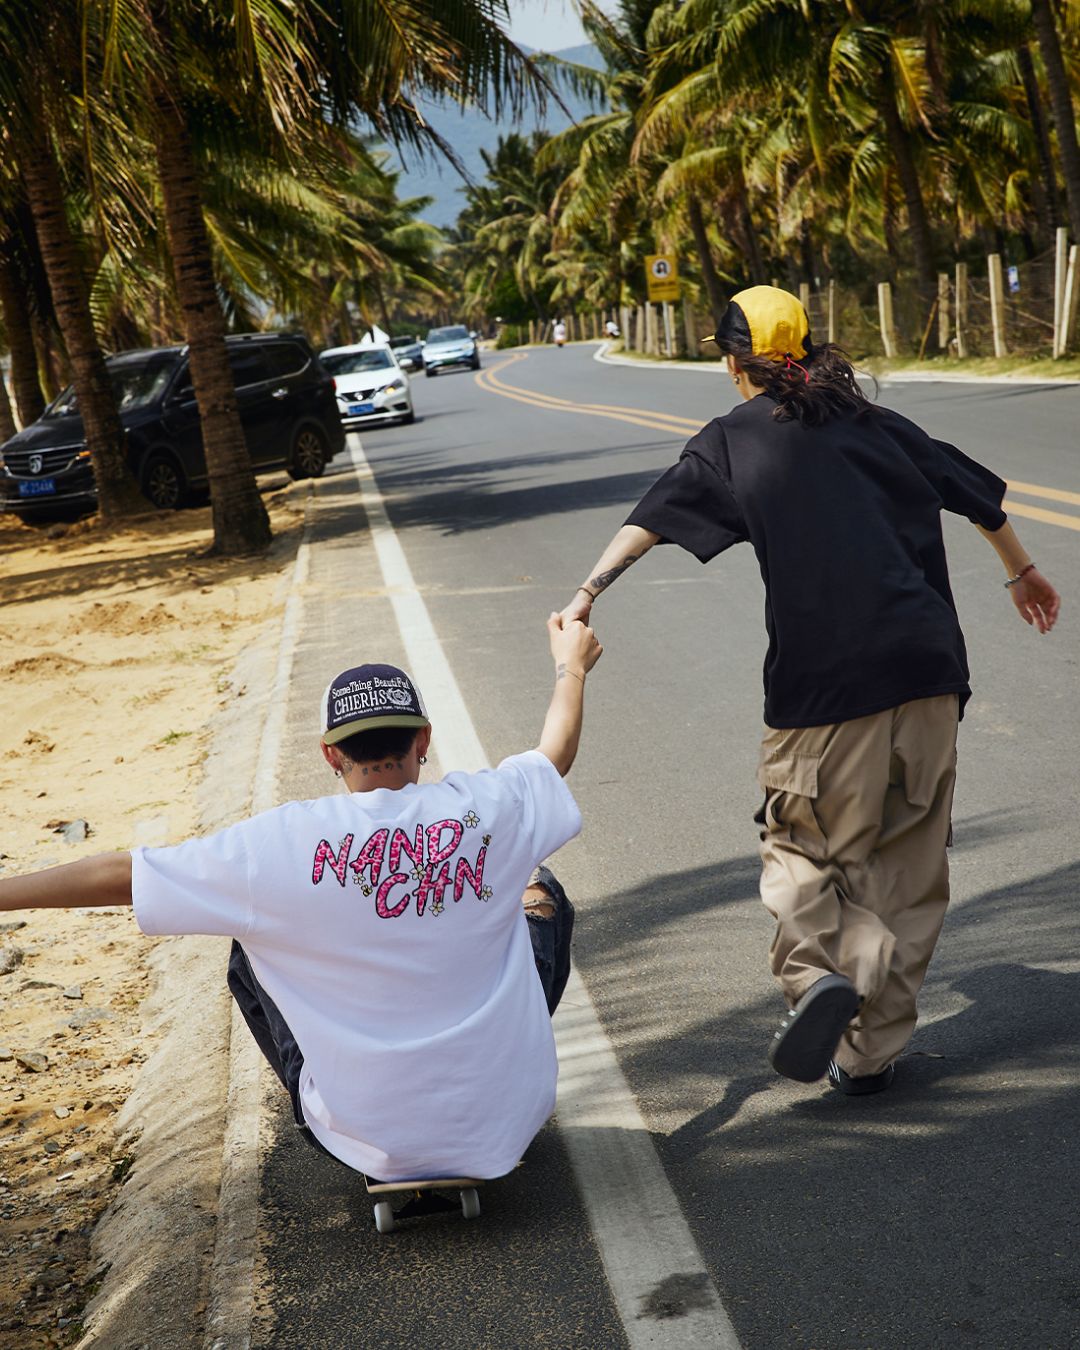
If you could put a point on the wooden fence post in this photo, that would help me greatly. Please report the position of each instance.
(669, 329)
(689, 327)
(961, 309)
(1061, 254)
(1071, 297)
(532, 332)
(624, 326)
(885, 318)
(943, 311)
(640, 330)
(804, 295)
(832, 312)
(997, 304)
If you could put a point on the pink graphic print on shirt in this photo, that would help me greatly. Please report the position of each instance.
(325, 854)
(430, 850)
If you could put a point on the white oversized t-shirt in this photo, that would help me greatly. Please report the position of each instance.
(388, 929)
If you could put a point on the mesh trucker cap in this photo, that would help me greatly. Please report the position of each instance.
(366, 698)
(768, 322)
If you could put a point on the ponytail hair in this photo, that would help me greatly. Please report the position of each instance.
(818, 387)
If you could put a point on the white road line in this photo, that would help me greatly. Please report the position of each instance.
(661, 1288)
(232, 1269)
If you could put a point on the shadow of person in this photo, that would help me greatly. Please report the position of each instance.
(1018, 1015)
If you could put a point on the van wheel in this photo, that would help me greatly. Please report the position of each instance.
(308, 458)
(163, 482)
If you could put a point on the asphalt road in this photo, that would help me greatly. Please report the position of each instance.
(942, 1213)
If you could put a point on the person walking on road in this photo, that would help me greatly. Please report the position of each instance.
(866, 674)
(381, 955)
(558, 333)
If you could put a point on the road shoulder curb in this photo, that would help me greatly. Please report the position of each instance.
(157, 1235)
(604, 355)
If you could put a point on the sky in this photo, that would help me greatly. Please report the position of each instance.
(548, 25)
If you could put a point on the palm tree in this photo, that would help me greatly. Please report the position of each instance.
(38, 64)
(18, 330)
(288, 70)
(1042, 16)
(1033, 98)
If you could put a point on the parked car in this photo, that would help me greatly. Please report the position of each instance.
(409, 352)
(452, 346)
(287, 408)
(371, 386)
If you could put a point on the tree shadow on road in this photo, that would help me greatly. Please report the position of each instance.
(428, 490)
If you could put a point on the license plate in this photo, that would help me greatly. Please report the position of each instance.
(356, 409)
(37, 487)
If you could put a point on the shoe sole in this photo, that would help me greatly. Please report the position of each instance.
(803, 1047)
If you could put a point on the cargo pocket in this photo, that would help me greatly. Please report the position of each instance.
(790, 783)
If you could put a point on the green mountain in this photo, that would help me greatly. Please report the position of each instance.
(468, 131)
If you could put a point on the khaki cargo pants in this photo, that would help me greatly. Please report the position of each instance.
(855, 871)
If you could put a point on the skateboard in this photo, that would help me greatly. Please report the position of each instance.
(424, 1198)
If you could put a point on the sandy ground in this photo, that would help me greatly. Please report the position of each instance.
(116, 648)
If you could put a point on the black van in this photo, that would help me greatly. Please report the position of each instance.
(287, 406)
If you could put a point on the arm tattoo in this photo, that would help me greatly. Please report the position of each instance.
(604, 579)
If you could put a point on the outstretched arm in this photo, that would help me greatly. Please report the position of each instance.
(104, 879)
(575, 651)
(1032, 594)
(630, 544)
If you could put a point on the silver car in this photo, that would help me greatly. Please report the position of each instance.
(370, 385)
(452, 346)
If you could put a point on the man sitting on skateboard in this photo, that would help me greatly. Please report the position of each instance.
(381, 956)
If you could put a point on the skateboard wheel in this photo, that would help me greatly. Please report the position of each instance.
(384, 1216)
(470, 1203)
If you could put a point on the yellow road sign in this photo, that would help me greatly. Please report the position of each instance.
(662, 275)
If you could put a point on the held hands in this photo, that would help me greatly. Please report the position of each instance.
(1036, 600)
(579, 607)
(574, 647)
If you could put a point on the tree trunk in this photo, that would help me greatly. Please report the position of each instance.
(1061, 102)
(19, 333)
(713, 289)
(746, 222)
(383, 311)
(117, 493)
(806, 253)
(7, 420)
(241, 524)
(922, 239)
(54, 368)
(1042, 140)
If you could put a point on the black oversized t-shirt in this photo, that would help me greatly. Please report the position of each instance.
(845, 520)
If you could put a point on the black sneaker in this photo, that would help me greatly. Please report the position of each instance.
(859, 1087)
(810, 1032)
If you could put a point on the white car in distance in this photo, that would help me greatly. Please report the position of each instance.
(370, 385)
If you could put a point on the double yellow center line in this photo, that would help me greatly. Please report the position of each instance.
(488, 379)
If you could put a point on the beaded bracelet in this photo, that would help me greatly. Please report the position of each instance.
(1019, 576)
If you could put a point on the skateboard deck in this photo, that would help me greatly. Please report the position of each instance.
(424, 1198)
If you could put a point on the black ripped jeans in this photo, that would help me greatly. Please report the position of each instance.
(551, 952)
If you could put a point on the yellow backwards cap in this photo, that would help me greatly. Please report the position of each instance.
(767, 322)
